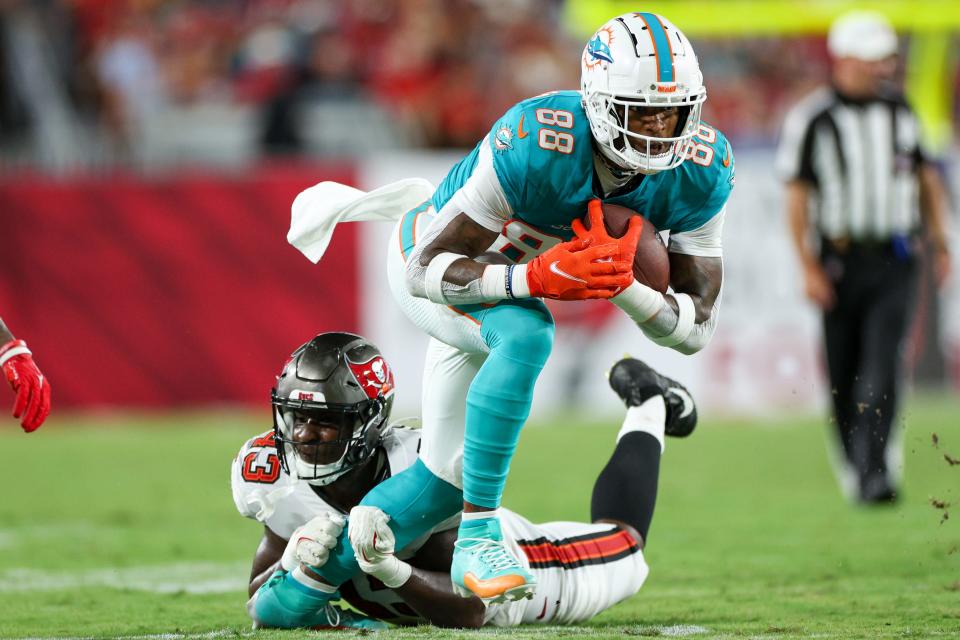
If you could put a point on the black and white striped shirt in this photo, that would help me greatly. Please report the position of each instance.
(862, 159)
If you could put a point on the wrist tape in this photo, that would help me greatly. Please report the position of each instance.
(13, 348)
(639, 301)
(392, 572)
(433, 278)
(686, 318)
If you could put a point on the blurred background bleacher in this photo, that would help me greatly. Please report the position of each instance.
(226, 82)
(203, 115)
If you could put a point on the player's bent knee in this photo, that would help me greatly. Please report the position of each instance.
(521, 330)
(415, 499)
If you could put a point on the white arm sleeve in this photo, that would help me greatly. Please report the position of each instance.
(705, 241)
(701, 333)
(658, 320)
(482, 199)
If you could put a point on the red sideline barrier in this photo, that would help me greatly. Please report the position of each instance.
(167, 292)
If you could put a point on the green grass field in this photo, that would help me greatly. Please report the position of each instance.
(125, 526)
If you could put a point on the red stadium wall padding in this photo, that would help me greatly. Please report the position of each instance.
(165, 292)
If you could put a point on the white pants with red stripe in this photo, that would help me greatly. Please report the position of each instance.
(581, 570)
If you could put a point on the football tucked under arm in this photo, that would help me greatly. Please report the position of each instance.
(686, 319)
(450, 264)
(446, 267)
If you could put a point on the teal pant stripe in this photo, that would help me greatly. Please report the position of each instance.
(661, 45)
(407, 228)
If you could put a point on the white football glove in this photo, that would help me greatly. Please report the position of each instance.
(373, 544)
(311, 543)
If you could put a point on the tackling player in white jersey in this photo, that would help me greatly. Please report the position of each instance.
(332, 442)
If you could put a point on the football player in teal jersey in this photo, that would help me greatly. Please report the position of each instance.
(471, 265)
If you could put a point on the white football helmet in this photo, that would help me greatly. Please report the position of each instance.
(641, 60)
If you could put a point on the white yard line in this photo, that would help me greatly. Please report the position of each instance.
(202, 577)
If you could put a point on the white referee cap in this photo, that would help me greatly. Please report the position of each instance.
(865, 35)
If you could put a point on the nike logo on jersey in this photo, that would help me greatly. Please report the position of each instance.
(520, 132)
(560, 272)
(726, 156)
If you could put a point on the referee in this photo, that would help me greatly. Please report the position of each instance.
(859, 187)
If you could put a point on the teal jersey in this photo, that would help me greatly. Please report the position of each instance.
(543, 156)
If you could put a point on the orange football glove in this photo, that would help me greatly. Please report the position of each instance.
(598, 231)
(578, 270)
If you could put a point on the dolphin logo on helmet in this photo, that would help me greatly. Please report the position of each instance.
(599, 49)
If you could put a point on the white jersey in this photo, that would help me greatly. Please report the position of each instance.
(581, 569)
(263, 491)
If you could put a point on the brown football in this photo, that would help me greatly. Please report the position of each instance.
(651, 264)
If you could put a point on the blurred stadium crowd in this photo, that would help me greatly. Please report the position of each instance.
(153, 82)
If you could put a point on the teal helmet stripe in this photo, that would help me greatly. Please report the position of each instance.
(661, 46)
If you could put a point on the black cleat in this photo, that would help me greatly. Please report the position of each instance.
(876, 489)
(635, 382)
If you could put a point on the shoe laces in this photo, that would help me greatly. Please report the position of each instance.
(493, 553)
(333, 615)
(337, 615)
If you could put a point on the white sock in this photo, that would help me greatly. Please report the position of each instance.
(301, 577)
(480, 515)
(650, 417)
